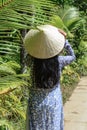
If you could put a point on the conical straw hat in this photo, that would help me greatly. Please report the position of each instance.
(44, 42)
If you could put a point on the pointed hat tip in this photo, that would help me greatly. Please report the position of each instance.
(39, 29)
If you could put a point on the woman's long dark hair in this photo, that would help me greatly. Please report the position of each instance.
(45, 72)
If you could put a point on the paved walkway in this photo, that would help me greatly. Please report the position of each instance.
(75, 110)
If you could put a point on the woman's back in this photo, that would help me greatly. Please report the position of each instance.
(45, 107)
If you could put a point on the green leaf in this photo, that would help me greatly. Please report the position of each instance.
(57, 21)
(4, 125)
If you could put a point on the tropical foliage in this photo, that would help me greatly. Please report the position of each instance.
(70, 20)
(16, 18)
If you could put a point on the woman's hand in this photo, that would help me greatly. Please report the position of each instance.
(62, 32)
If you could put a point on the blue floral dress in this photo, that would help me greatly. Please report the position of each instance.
(45, 107)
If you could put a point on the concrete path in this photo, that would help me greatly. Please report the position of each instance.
(75, 110)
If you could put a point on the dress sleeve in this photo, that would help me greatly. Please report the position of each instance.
(66, 60)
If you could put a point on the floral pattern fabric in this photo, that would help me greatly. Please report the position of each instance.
(45, 107)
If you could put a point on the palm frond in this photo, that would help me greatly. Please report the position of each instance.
(16, 109)
(9, 42)
(23, 14)
(9, 68)
(9, 79)
(10, 82)
(4, 3)
(5, 125)
(68, 19)
(26, 13)
(70, 15)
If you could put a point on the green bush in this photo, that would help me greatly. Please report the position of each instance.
(69, 80)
